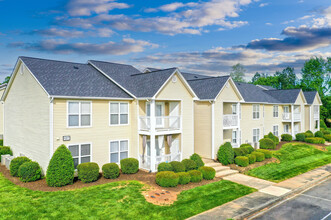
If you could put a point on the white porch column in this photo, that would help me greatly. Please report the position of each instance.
(302, 115)
(239, 129)
(152, 137)
(310, 117)
(318, 123)
(292, 120)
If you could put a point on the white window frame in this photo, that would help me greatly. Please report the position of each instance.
(257, 113)
(119, 149)
(288, 129)
(119, 113)
(275, 114)
(273, 130)
(79, 114)
(234, 109)
(257, 136)
(234, 140)
(79, 151)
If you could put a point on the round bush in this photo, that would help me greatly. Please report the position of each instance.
(267, 153)
(307, 135)
(129, 165)
(251, 158)
(315, 140)
(184, 178)
(5, 150)
(286, 137)
(189, 164)
(248, 148)
(259, 156)
(300, 137)
(327, 137)
(88, 172)
(274, 138)
(242, 161)
(196, 176)
(167, 179)
(267, 143)
(239, 152)
(164, 167)
(29, 172)
(208, 173)
(110, 170)
(326, 132)
(60, 171)
(197, 159)
(177, 166)
(225, 154)
(1, 142)
(309, 131)
(318, 134)
(16, 163)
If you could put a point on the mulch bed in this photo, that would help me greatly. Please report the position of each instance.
(252, 166)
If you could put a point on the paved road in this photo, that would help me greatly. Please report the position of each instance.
(314, 204)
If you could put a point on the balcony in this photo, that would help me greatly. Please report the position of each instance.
(287, 116)
(316, 115)
(162, 123)
(230, 121)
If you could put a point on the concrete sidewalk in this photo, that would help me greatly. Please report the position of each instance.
(269, 193)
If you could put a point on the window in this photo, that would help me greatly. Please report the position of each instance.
(286, 129)
(234, 137)
(234, 109)
(79, 114)
(256, 111)
(316, 124)
(118, 150)
(275, 130)
(81, 153)
(316, 109)
(275, 111)
(119, 113)
(256, 135)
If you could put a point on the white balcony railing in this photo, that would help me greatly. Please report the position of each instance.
(297, 116)
(161, 123)
(230, 120)
(316, 115)
(286, 116)
(145, 160)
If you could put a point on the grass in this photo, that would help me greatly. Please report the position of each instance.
(118, 200)
(294, 159)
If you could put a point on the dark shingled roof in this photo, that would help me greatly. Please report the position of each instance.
(208, 88)
(253, 93)
(284, 96)
(266, 87)
(61, 78)
(310, 96)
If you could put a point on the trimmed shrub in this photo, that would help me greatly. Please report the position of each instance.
(189, 164)
(267, 143)
(251, 158)
(197, 159)
(309, 131)
(259, 156)
(315, 140)
(16, 163)
(167, 179)
(208, 173)
(286, 137)
(1, 142)
(322, 124)
(248, 147)
(88, 172)
(184, 178)
(129, 165)
(164, 167)
(177, 166)
(60, 171)
(326, 132)
(300, 137)
(225, 154)
(307, 135)
(29, 172)
(239, 152)
(110, 170)
(267, 153)
(274, 138)
(318, 134)
(327, 137)
(196, 176)
(242, 161)
(5, 150)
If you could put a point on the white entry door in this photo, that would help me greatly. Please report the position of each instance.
(174, 113)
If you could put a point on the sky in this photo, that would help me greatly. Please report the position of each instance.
(205, 37)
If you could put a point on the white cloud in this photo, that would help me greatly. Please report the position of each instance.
(263, 5)
(269, 24)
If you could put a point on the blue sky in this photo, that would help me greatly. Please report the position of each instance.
(205, 37)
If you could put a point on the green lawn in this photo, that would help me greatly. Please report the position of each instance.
(108, 201)
(294, 159)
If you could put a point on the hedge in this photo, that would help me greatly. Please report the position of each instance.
(5, 150)
(110, 170)
(225, 154)
(88, 172)
(274, 138)
(129, 165)
(167, 179)
(267, 153)
(239, 152)
(259, 156)
(248, 147)
(326, 132)
(60, 171)
(318, 134)
(196, 176)
(251, 158)
(29, 172)
(242, 161)
(327, 137)
(208, 173)
(1, 142)
(315, 140)
(189, 164)
(164, 167)
(286, 137)
(267, 143)
(197, 159)
(300, 137)
(177, 166)
(16, 163)
(307, 135)
(184, 178)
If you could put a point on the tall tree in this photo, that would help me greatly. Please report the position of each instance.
(286, 79)
(256, 77)
(6, 80)
(238, 73)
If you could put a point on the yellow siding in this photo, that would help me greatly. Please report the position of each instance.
(27, 119)
(1, 114)
(248, 123)
(300, 101)
(270, 120)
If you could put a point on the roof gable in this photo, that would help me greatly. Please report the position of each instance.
(284, 96)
